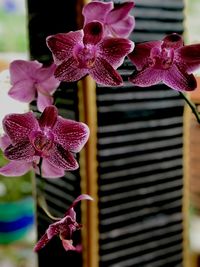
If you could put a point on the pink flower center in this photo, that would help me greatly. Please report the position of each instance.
(161, 58)
(85, 55)
(42, 142)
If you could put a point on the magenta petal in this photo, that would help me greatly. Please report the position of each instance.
(119, 12)
(23, 91)
(67, 244)
(114, 50)
(62, 44)
(20, 151)
(44, 101)
(15, 168)
(68, 71)
(96, 11)
(48, 117)
(48, 86)
(141, 52)
(19, 126)
(93, 32)
(41, 243)
(4, 141)
(173, 40)
(63, 159)
(51, 171)
(178, 80)
(146, 77)
(123, 28)
(190, 55)
(45, 73)
(22, 70)
(70, 134)
(104, 73)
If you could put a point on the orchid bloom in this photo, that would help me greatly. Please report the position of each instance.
(167, 61)
(116, 19)
(50, 138)
(30, 81)
(64, 227)
(86, 52)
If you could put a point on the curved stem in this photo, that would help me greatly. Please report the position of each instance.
(42, 203)
(192, 106)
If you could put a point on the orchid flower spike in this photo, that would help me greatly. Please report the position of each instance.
(116, 19)
(31, 81)
(86, 52)
(50, 138)
(167, 61)
(64, 228)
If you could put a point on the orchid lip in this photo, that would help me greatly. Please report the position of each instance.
(42, 141)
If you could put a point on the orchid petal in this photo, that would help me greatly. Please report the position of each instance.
(104, 73)
(4, 141)
(68, 71)
(48, 117)
(119, 12)
(70, 212)
(51, 171)
(23, 70)
(19, 126)
(190, 55)
(63, 159)
(42, 242)
(44, 101)
(96, 11)
(67, 244)
(20, 151)
(45, 73)
(141, 53)
(146, 77)
(23, 91)
(93, 33)
(48, 86)
(123, 28)
(62, 44)
(15, 168)
(70, 134)
(178, 80)
(114, 50)
(173, 40)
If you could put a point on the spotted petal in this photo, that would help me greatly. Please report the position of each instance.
(19, 126)
(20, 151)
(178, 80)
(68, 71)
(146, 77)
(62, 44)
(42, 242)
(114, 50)
(70, 134)
(104, 73)
(63, 159)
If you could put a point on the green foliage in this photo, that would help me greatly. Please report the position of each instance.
(13, 32)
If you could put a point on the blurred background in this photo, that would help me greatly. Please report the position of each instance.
(17, 228)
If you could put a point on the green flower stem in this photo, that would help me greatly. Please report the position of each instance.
(192, 106)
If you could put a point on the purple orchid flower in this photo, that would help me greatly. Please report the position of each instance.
(167, 61)
(86, 52)
(30, 81)
(116, 19)
(52, 138)
(64, 227)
